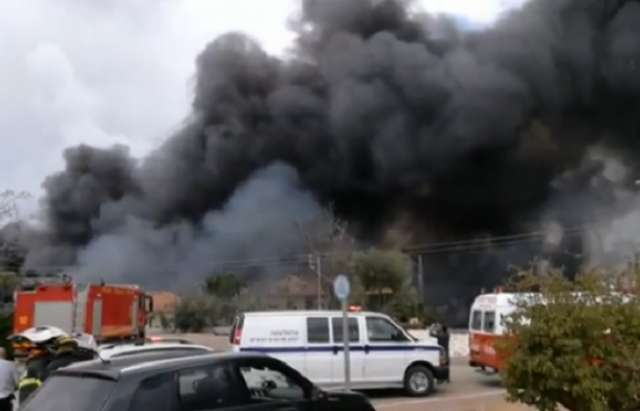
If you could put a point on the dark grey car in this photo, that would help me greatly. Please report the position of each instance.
(193, 383)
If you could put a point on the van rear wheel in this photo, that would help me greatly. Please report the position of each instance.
(418, 381)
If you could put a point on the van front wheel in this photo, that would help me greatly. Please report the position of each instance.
(418, 381)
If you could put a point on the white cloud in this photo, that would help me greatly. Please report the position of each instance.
(481, 12)
(114, 71)
(120, 71)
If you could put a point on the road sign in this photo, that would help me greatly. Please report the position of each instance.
(346, 338)
(341, 287)
(342, 290)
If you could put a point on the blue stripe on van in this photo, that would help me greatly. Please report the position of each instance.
(340, 348)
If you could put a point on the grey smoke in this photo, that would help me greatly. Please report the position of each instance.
(259, 222)
(386, 116)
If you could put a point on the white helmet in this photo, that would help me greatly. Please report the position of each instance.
(86, 341)
(40, 335)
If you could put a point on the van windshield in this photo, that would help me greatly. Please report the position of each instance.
(476, 320)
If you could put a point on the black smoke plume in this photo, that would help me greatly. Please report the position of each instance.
(395, 119)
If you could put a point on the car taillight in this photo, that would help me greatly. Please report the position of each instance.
(237, 335)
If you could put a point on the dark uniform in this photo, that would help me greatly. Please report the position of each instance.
(441, 333)
(64, 359)
(36, 373)
(57, 354)
(67, 353)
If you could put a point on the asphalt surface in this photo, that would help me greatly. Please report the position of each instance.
(469, 390)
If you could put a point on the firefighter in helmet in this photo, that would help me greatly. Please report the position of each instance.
(66, 351)
(37, 360)
(36, 344)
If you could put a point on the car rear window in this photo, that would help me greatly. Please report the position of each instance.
(208, 388)
(157, 393)
(62, 392)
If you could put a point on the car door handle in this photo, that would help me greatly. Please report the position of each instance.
(335, 350)
(367, 349)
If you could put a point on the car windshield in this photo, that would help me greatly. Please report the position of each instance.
(70, 394)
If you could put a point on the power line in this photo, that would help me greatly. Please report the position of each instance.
(487, 242)
(479, 247)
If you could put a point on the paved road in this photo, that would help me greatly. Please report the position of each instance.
(468, 390)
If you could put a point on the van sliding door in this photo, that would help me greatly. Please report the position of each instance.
(318, 363)
(356, 351)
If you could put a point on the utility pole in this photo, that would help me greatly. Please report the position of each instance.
(421, 277)
(315, 264)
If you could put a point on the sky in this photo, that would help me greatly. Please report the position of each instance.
(120, 72)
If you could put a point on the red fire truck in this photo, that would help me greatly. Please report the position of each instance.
(108, 312)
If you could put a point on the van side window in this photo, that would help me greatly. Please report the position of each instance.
(476, 320)
(318, 330)
(490, 321)
(354, 333)
(381, 330)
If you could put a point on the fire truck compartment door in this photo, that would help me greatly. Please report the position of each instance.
(134, 314)
(54, 313)
(97, 317)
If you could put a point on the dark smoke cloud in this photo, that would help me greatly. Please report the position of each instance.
(386, 116)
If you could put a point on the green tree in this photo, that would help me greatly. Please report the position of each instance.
(574, 344)
(6, 329)
(382, 274)
(12, 252)
(383, 281)
(194, 314)
(224, 286)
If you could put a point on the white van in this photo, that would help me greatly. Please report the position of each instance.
(383, 355)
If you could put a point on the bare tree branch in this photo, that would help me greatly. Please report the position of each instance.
(9, 200)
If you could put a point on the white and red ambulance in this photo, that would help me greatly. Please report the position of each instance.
(487, 328)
